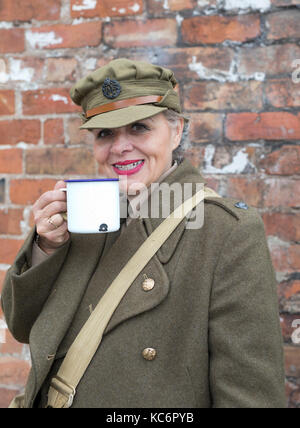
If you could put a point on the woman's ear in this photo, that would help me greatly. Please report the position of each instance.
(177, 134)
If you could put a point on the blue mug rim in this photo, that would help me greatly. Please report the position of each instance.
(92, 179)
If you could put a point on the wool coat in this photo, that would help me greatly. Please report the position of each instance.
(211, 317)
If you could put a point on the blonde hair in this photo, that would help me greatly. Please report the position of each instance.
(173, 117)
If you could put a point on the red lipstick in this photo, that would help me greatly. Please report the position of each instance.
(130, 171)
(127, 162)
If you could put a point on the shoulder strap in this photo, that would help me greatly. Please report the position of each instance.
(63, 385)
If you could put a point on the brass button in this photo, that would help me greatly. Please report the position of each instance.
(148, 283)
(149, 354)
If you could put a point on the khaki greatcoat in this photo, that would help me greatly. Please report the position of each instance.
(212, 316)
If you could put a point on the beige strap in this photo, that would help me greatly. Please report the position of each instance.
(64, 384)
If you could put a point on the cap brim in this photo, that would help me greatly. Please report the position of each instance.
(122, 117)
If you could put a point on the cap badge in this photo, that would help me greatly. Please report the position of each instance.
(111, 88)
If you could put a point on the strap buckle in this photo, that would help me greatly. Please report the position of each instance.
(63, 389)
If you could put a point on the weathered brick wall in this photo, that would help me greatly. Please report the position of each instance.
(236, 61)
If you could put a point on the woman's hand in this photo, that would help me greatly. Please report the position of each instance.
(50, 225)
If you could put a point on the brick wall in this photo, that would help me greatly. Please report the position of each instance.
(238, 64)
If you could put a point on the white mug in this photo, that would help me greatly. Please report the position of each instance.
(93, 206)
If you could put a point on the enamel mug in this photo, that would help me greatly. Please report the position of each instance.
(93, 206)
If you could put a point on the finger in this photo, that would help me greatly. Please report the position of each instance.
(54, 237)
(58, 235)
(51, 195)
(48, 198)
(50, 210)
(54, 230)
(56, 221)
(60, 185)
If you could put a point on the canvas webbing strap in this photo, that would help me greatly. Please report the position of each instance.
(63, 385)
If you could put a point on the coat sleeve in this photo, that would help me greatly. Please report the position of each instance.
(245, 339)
(26, 288)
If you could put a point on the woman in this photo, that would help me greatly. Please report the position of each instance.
(206, 332)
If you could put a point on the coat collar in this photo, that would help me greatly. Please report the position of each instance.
(185, 173)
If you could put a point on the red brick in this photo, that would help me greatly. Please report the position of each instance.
(2, 276)
(282, 93)
(217, 29)
(29, 9)
(27, 191)
(12, 40)
(206, 127)
(155, 32)
(16, 131)
(247, 189)
(267, 126)
(7, 102)
(104, 8)
(270, 60)
(29, 68)
(285, 226)
(286, 322)
(60, 161)
(65, 36)
(54, 131)
(281, 192)
(283, 25)
(8, 251)
(177, 5)
(188, 63)
(11, 161)
(13, 371)
(48, 101)
(10, 221)
(11, 346)
(226, 96)
(285, 161)
(285, 258)
(288, 289)
(289, 298)
(6, 397)
(61, 69)
(292, 361)
(159, 7)
(294, 398)
(79, 136)
(285, 3)
(195, 154)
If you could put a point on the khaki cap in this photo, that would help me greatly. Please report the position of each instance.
(125, 91)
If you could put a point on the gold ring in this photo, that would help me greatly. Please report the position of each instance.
(51, 222)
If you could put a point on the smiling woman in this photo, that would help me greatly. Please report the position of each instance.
(142, 150)
(197, 325)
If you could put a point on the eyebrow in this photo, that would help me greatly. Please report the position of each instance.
(136, 121)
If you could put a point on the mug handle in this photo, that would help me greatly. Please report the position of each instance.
(64, 214)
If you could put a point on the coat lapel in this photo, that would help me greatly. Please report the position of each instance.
(189, 180)
(136, 300)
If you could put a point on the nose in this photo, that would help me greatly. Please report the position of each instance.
(121, 144)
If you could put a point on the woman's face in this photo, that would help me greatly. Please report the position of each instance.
(139, 152)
